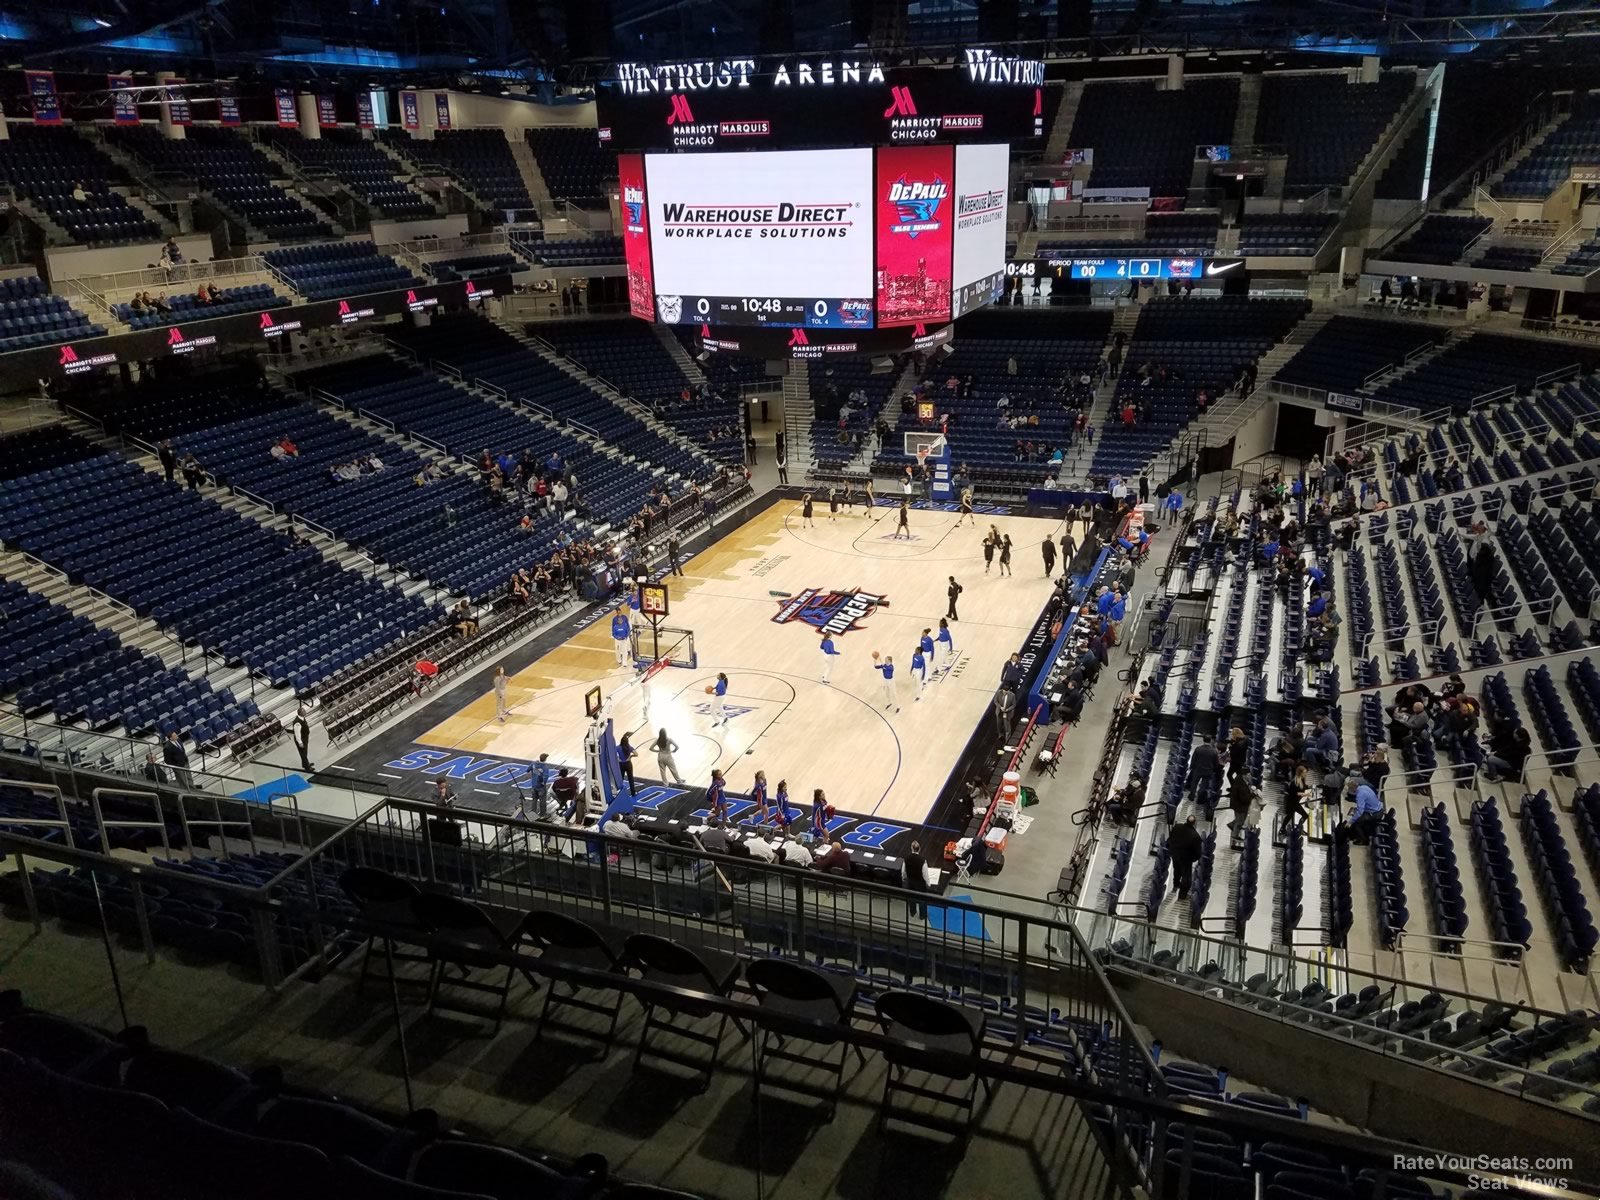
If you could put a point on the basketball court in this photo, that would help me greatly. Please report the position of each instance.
(752, 605)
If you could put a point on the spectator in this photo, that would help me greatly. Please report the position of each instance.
(1509, 750)
(193, 474)
(176, 757)
(1367, 811)
(169, 459)
(916, 879)
(1184, 844)
(565, 791)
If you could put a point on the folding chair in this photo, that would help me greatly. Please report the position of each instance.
(790, 989)
(567, 941)
(708, 972)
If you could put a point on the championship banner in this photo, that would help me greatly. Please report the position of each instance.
(283, 98)
(228, 103)
(42, 92)
(327, 112)
(364, 110)
(124, 105)
(914, 186)
(441, 106)
(408, 110)
(177, 103)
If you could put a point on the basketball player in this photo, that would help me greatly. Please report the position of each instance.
(903, 525)
(758, 793)
(870, 501)
(919, 669)
(716, 801)
(833, 503)
(1005, 555)
(966, 508)
(805, 512)
(925, 644)
(828, 655)
(947, 645)
(500, 694)
(849, 497)
(989, 544)
(886, 669)
(619, 634)
(720, 692)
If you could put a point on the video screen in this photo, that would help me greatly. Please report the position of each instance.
(774, 238)
(982, 174)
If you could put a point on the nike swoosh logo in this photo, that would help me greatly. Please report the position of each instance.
(1219, 268)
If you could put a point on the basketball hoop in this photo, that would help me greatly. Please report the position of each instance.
(922, 458)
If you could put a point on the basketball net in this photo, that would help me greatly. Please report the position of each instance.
(922, 458)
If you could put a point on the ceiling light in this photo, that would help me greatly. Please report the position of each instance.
(102, 22)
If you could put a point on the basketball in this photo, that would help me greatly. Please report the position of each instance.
(874, 656)
(711, 689)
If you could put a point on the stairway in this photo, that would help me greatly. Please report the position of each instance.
(798, 415)
(166, 224)
(1244, 117)
(528, 168)
(1406, 368)
(1061, 128)
(54, 234)
(1527, 148)
(680, 354)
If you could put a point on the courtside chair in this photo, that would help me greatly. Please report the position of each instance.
(473, 941)
(823, 999)
(707, 972)
(933, 1038)
(567, 941)
(384, 914)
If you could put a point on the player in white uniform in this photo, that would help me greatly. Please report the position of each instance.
(500, 694)
(886, 669)
(828, 655)
(947, 645)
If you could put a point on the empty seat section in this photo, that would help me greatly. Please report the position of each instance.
(1142, 137)
(360, 165)
(46, 165)
(1326, 124)
(575, 166)
(340, 269)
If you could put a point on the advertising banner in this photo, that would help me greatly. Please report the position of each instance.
(42, 93)
(982, 173)
(777, 238)
(441, 108)
(288, 118)
(408, 111)
(177, 103)
(364, 110)
(228, 103)
(913, 189)
(636, 236)
(124, 108)
(327, 112)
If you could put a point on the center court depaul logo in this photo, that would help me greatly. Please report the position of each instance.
(837, 612)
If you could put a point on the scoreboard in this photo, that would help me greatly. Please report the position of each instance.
(1113, 269)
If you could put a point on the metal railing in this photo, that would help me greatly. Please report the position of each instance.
(182, 273)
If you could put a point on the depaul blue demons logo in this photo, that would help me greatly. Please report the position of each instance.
(918, 205)
(633, 201)
(834, 612)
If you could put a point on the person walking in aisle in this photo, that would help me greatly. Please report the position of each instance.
(620, 630)
(1005, 555)
(954, 592)
(300, 728)
(666, 764)
(720, 691)
(916, 879)
(947, 646)
(1184, 844)
(169, 460)
(886, 669)
(500, 694)
(828, 655)
(625, 753)
(1047, 548)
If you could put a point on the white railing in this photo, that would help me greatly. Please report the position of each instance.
(148, 277)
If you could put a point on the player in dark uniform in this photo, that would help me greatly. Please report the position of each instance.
(904, 523)
(849, 497)
(966, 508)
(833, 503)
(805, 512)
(870, 501)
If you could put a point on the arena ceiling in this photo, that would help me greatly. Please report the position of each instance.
(500, 42)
